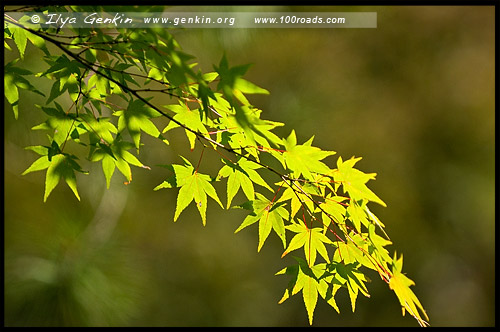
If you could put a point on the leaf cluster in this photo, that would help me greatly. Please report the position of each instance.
(112, 80)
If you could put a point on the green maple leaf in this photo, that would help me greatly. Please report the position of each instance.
(311, 280)
(357, 214)
(101, 85)
(100, 130)
(58, 166)
(12, 81)
(305, 280)
(377, 244)
(257, 134)
(241, 175)
(20, 38)
(59, 122)
(193, 186)
(136, 118)
(354, 181)
(261, 129)
(116, 155)
(366, 249)
(304, 159)
(310, 295)
(333, 208)
(65, 72)
(354, 251)
(295, 202)
(400, 284)
(312, 239)
(355, 281)
(270, 216)
(234, 88)
(298, 195)
(192, 119)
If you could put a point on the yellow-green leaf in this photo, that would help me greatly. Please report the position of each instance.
(193, 186)
(312, 239)
(354, 181)
(305, 159)
(61, 166)
(400, 284)
(270, 215)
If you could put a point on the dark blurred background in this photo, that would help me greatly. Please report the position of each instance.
(414, 97)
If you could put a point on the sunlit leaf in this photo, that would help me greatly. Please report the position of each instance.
(304, 159)
(269, 215)
(400, 284)
(136, 118)
(354, 181)
(20, 38)
(312, 239)
(193, 186)
(241, 175)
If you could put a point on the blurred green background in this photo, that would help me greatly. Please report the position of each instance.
(414, 97)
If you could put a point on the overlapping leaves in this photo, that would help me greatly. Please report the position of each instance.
(104, 75)
(270, 216)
